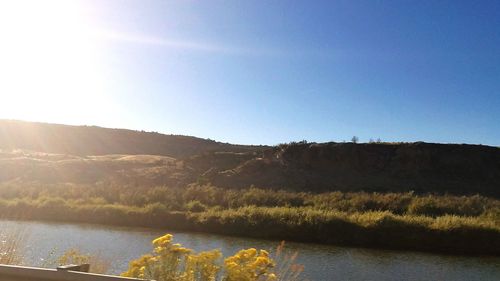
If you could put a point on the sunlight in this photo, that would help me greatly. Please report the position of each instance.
(49, 62)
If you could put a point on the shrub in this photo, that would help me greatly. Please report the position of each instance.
(195, 206)
(172, 262)
(74, 256)
(9, 245)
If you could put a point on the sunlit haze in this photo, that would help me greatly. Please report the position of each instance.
(257, 72)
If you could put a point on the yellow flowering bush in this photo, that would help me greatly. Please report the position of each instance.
(172, 262)
(169, 262)
(249, 265)
(203, 266)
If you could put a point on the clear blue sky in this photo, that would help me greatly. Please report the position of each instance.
(266, 72)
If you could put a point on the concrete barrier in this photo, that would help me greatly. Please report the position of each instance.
(62, 273)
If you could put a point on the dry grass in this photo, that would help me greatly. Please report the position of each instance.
(10, 240)
(75, 256)
(286, 267)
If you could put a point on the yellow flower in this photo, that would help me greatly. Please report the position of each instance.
(261, 261)
(231, 264)
(264, 253)
(271, 277)
(181, 250)
(163, 240)
(174, 262)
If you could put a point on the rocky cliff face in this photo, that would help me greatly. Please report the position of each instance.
(421, 167)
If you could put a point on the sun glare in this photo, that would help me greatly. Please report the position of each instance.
(49, 67)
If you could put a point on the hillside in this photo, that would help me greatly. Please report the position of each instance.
(51, 154)
(419, 167)
(386, 195)
(92, 140)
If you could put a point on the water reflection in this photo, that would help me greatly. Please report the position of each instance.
(120, 245)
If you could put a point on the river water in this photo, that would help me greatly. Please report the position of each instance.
(42, 242)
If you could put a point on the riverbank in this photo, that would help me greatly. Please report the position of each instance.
(466, 225)
(445, 234)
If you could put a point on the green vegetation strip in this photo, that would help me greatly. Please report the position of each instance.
(463, 225)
